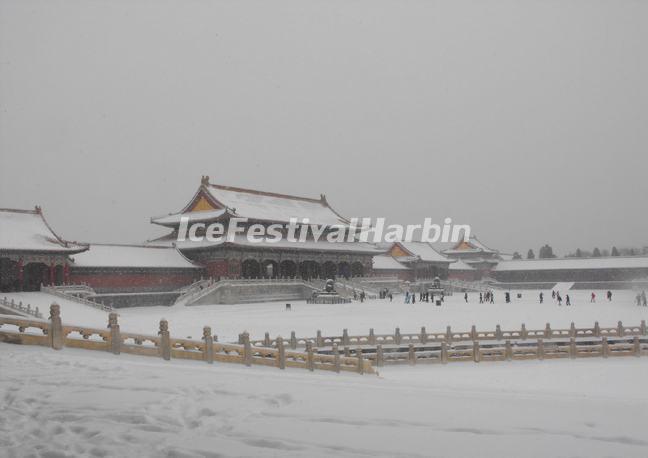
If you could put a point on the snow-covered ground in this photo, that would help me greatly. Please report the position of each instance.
(227, 321)
(81, 403)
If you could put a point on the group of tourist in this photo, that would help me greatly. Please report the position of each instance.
(410, 298)
(641, 299)
(385, 293)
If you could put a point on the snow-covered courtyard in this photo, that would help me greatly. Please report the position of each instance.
(87, 403)
(227, 321)
(81, 403)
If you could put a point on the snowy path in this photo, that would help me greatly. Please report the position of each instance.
(80, 403)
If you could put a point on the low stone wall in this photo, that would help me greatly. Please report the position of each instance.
(121, 300)
(242, 292)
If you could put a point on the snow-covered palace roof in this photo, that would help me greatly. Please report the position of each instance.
(412, 251)
(386, 262)
(254, 205)
(611, 262)
(132, 256)
(27, 231)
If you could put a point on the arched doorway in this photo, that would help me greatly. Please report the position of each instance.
(344, 269)
(35, 273)
(309, 269)
(269, 269)
(250, 268)
(357, 269)
(329, 270)
(288, 269)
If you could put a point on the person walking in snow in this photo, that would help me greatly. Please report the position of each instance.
(407, 297)
(559, 298)
(391, 297)
(638, 299)
(643, 299)
(553, 294)
(466, 297)
(481, 298)
(609, 295)
(492, 297)
(541, 297)
(593, 299)
(567, 301)
(413, 298)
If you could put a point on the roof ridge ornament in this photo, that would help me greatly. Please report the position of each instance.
(38, 209)
(204, 180)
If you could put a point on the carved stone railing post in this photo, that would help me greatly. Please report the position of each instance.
(208, 355)
(293, 340)
(345, 337)
(597, 329)
(310, 362)
(523, 332)
(336, 358)
(55, 327)
(605, 347)
(636, 346)
(247, 349)
(541, 353)
(360, 361)
(473, 332)
(372, 337)
(448, 334)
(266, 340)
(444, 353)
(423, 335)
(476, 351)
(165, 340)
(498, 332)
(572, 330)
(547, 331)
(380, 356)
(411, 355)
(572, 348)
(281, 353)
(642, 327)
(620, 332)
(397, 336)
(319, 340)
(115, 335)
(508, 351)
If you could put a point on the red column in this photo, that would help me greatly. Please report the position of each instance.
(66, 273)
(51, 274)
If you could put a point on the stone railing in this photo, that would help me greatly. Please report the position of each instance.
(55, 334)
(71, 297)
(19, 307)
(539, 349)
(449, 336)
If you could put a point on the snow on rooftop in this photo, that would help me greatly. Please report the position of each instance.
(132, 256)
(460, 265)
(611, 262)
(424, 251)
(27, 230)
(241, 240)
(275, 207)
(194, 217)
(386, 262)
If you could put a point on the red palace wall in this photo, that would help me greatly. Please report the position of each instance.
(115, 281)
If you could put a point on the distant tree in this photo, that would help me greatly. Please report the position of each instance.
(546, 252)
(615, 252)
(530, 254)
(517, 255)
(596, 253)
(579, 253)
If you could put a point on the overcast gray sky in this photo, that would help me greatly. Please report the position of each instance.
(526, 119)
